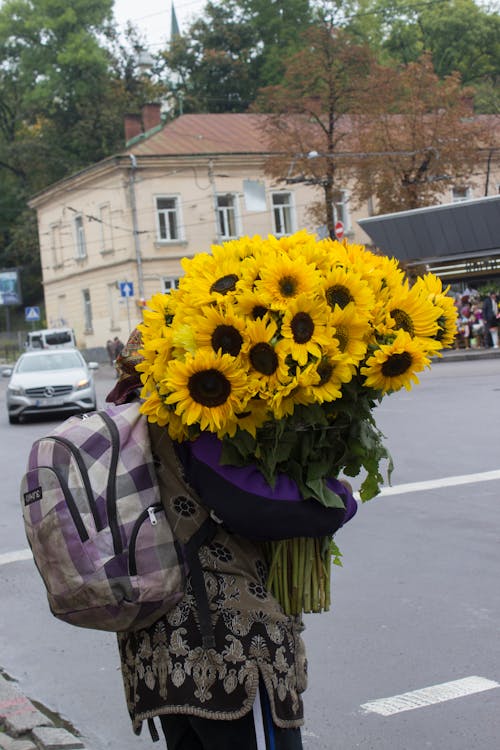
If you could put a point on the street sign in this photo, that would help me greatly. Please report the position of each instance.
(339, 230)
(32, 313)
(126, 289)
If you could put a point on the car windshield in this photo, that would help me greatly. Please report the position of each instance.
(59, 361)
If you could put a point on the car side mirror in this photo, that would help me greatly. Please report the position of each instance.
(7, 372)
(93, 365)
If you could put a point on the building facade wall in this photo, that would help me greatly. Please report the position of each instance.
(101, 228)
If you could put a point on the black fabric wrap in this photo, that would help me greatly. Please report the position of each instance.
(255, 517)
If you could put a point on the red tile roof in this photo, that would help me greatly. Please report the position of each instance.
(206, 134)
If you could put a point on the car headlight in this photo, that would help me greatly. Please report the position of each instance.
(82, 384)
(15, 390)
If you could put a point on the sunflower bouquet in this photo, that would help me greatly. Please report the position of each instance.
(283, 348)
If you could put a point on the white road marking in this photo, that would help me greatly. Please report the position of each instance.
(20, 554)
(398, 489)
(434, 484)
(428, 696)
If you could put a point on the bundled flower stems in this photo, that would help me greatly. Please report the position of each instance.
(299, 573)
(282, 348)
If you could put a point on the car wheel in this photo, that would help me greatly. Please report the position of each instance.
(13, 420)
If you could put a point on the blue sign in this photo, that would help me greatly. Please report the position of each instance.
(32, 313)
(126, 289)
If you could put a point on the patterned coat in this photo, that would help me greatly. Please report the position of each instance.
(165, 668)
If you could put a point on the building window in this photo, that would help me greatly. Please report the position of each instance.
(81, 247)
(459, 194)
(283, 213)
(227, 216)
(106, 239)
(341, 208)
(167, 213)
(170, 283)
(87, 310)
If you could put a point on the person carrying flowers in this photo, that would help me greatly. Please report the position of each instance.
(263, 369)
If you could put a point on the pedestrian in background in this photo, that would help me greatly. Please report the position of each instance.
(490, 313)
(118, 347)
(110, 348)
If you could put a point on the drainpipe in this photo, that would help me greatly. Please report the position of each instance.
(133, 205)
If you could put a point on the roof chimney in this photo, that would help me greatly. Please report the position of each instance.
(151, 116)
(133, 126)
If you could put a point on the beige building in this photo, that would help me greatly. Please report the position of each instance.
(114, 234)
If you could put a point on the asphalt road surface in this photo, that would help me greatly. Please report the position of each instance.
(409, 656)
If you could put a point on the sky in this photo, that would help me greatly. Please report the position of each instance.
(152, 17)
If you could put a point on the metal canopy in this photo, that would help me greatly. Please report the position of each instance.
(463, 228)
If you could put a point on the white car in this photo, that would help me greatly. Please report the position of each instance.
(47, 382)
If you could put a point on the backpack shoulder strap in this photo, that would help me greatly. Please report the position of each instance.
(189, 519)
(184, 509)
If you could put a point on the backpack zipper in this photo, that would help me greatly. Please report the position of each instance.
(151, 512)
(85, 477)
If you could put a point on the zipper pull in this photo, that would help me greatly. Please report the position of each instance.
(152, 516)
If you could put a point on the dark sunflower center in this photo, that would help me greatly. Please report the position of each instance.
(258, 311)
(342, 337)
(302, 327)
(403, 321)
(209, 387)
(397, 364)
(338, 295)
(263, 358)
(224, 284)
(325, 372)
(227, 338)
(288, 286)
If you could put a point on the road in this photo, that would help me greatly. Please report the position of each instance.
(416, 604)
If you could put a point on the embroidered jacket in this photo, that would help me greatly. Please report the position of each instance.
(165, 668)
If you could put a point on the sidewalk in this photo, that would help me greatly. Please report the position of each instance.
(463, 355)
(25, 727)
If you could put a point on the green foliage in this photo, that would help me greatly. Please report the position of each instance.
(232, 50)
(63, 93)
(315, 442)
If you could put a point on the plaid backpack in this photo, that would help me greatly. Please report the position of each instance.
(96, 524)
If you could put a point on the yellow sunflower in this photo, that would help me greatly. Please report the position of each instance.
(334, 369)
(207, 389)
(218, 328)
(412, 311)
(342, 287)
(157, 315)
(297, 391)
(304, 329)
(210, 280)
(265, 365)
(447, 320)
(350, 331)
(283, 279)
(393, 366)
(256, 414)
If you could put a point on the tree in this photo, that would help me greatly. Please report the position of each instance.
(417, 137)
(62, 100)
(308, 128)
(236, 47)
(461, 35)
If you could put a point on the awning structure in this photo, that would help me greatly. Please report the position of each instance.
(460, 239)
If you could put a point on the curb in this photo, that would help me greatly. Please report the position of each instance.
(465, 355)
(24, 727)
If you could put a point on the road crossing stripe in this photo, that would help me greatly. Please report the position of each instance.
(398, 489)
(435, 484)
(20, 554)
(428, 696)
